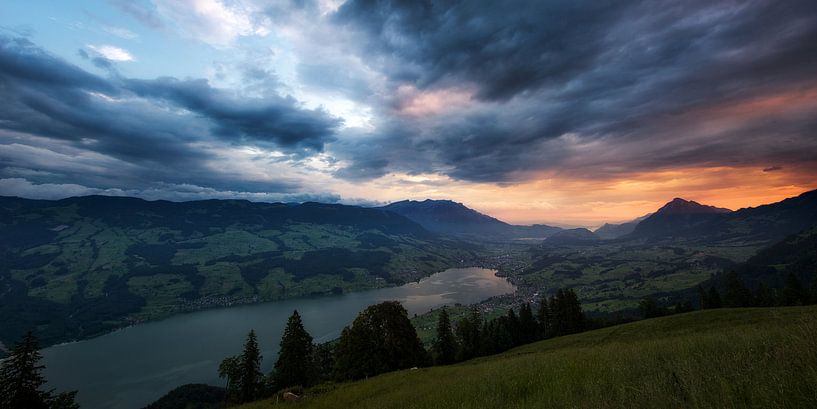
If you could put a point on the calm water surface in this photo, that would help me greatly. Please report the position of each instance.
(134, 366)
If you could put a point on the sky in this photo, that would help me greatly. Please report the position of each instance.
(571, 113)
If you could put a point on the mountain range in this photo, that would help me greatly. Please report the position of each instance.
(693, 222)
(449, 217)
(87, 265)
(609, 231)
(90, 264)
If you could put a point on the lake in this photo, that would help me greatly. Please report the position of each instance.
(134, 366)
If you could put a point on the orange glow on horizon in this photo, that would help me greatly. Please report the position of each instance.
(589, 203)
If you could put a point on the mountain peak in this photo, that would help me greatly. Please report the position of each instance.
(440, 210)
(683, 206)
(448, 216)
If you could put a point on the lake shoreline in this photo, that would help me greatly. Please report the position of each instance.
(237, 302)
(186, 348)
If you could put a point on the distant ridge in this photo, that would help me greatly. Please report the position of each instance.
(610, 231)
(688, 220)
(682, 206)
(676, 206)
(572, 236)
(677, 216)
(450, 217)
(202, 254)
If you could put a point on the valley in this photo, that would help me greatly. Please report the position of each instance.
(219, 204)
(91, 265)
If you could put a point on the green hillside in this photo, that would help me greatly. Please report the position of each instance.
(78, 267)
(670, 255)
(733, 358)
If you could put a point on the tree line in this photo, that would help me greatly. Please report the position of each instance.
(473, 336)
(728, 291)
(382, 339)
(736, 294)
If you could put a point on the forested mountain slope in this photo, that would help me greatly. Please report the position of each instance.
(77, 267)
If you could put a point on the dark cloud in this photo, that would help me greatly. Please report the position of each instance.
(772, 168)
(162, 191)
(120, 133)
(273, 119)
(593, 89)
(99, 62)
(506, 48)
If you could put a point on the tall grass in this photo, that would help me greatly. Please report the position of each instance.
(741, 358)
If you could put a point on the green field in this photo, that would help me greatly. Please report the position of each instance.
(731, 358)
(80, 267)
(615, 276)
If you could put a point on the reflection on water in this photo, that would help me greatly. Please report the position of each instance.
(133, 366)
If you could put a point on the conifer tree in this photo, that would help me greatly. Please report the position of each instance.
(527, 324)
(245, 381)
(736, 295)
(764, 296)
(468, 333)
(793, 293)
(295, 365)
(713, 298)
(703, 297)
(444, 349)
(324, 361)
(511, 323)
(496, 336)
(558, 318)
(544, 319)
(568, 317)
(251, 377)
(21, 380)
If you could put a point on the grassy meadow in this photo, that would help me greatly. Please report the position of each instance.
(729, 358)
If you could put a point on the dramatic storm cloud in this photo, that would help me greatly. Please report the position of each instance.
(560, 111)
(593, 88)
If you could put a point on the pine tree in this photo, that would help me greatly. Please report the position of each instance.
(295, 365)
(566, 309)
(21, 380)
(527, 324)
(468, 333)
(703, 297)
(557, 313)
(713, 298)
(514, 329)
(444, 349)
(544, 319)
(764, 296)
(324, 361)
(793, 293)
(736, 295)
(243, 372)
(496, 336)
